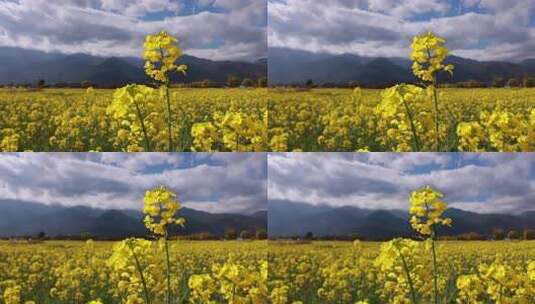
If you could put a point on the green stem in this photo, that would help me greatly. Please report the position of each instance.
(437, 135)
(435, 275)
(147, 146)
(409, 279)
(143, 281)
(169, 129)
(169, 120)
(168, 274)
(437, 138)
(416, 144)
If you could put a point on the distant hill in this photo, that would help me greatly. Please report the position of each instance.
(27, 218)
(288, 66)
(296, 219)
(21, 66)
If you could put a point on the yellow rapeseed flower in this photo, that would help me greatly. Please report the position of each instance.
(426, 209)
(161, 52)
(160, 207)
(428, 54)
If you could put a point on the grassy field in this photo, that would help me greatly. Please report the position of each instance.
(342, 272)
(95, 120)
(78, 272)
(501, 119)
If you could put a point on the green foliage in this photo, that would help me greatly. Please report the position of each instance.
(247, 83)
(233, 81)
(262, 82)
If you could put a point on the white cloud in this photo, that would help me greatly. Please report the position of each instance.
(117, 27)
(478, 182)
(405, 9)
(231, 183)
(140, 8)
(483, 30)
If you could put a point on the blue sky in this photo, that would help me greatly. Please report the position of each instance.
(477, 29)
(212, 29)
(222, 182)
(485, 183)
(243, 182)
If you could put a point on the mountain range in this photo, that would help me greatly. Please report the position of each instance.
(19, 218)
(289, 66)
(25, 66)
(288, 219)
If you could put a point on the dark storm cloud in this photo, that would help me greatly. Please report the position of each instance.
(44, 23)
(216, 29)
(486, 29)
(482, 182)
(217, 183)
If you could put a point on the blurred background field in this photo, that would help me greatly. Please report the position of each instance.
(79, 120)
(480, 119)
(78, 272)
(345, 272)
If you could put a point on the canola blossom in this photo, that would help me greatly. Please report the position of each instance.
(428, 55)
(426, 209)
(136, 117)
(160, 207)
(132, 119)
(161, 51)
(405, 270)
(131, 271)
(64, 272)
(406, 117)
(469, 272)
(336, 120)
(424, 116)
(237, 272)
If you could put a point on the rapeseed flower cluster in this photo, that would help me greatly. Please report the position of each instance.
(426, 209)
(161, 51)
(160, 206)
(405, 117)
(428, 55)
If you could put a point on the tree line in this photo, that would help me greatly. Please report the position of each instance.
(229, 234)
(232, 82)
(495, 235)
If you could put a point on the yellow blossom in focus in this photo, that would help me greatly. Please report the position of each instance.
(428, 54)
(160, 207)
(426, 209)
(161, 52)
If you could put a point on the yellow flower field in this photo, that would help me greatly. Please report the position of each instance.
(342, 272)
(78, 272)
(406, 117)
(315, 272)
(494, 119)
(136, 270)
(405, 270)
(143, 271)
(95, 120)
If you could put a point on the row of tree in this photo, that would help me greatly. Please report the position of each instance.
(232, 82)
(261, 234)
(500, 234)
(497, 82)
(497, 235)
(229, 234)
